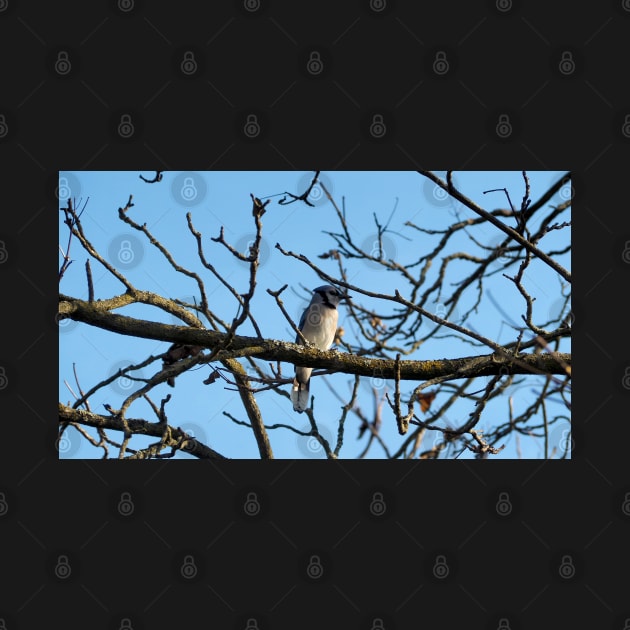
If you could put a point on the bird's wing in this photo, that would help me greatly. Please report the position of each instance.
(298, 339)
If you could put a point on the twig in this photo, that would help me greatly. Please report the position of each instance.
(88, 272)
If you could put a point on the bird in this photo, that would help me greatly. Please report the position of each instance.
(177, 352)
(318, 324)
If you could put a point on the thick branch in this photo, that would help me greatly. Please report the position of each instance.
(269, 349)
(251, 408)
(138, 427)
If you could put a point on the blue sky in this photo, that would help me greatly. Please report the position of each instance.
(217, 199)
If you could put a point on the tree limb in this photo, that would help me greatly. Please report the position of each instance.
(240, 346)
(138, 427)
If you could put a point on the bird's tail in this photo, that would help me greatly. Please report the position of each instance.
(299, 395)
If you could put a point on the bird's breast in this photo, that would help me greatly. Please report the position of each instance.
(320, 327)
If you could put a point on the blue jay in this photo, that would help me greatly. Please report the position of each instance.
(318, 324)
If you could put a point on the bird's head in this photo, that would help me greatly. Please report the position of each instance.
(329, 295)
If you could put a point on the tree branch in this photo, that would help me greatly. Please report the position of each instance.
(270, 349)
(138, 427)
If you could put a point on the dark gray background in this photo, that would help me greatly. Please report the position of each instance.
(187, 554)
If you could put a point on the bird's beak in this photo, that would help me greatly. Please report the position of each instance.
(345, 297)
